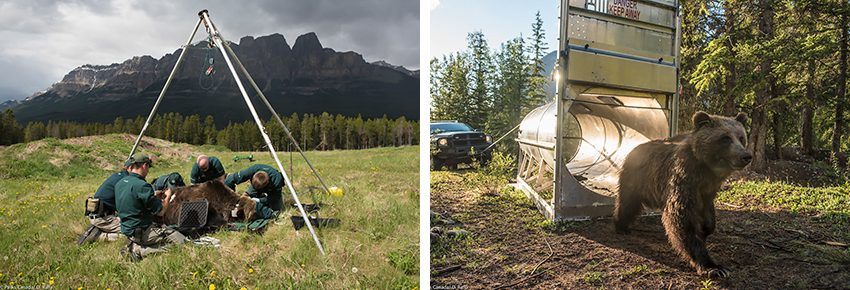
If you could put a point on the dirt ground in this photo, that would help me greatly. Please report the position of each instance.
(511, 247)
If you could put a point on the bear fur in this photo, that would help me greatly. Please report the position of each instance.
(221, 200)
(681, 176)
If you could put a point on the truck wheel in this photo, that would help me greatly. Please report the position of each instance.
(485, 160)
(436, 164)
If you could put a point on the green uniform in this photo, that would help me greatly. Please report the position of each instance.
(168, 181)
(270, 196)
(136, 203)
(214, 170)
(106, 192)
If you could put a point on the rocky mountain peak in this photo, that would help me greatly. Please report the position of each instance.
(306, 44)
(306, 73)
(398, 68)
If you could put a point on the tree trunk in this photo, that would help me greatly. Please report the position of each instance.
(842, 76)
(808, 113)
(777, 136)
(758, 135)
(729, 25)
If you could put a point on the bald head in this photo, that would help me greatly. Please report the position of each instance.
(203, 163)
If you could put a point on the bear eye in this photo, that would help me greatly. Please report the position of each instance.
(741, 139)
(726, 139)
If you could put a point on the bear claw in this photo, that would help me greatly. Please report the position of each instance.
(715, 272)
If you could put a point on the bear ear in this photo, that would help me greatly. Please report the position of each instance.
(701, 119)
(742, 118)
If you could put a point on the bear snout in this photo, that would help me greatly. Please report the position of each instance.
(746, 158)
(742, 160)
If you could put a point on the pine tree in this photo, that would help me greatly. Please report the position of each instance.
(509, 100)
(536, 51)
(449, 101)
(481, 68)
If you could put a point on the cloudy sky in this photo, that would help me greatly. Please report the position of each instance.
(500, 21)
(42, 40)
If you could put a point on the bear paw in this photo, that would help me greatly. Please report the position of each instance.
(718, 272)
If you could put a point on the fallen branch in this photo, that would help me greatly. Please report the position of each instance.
(817, 241)
(731, 205)
(811, 262)
(547, 258)
(771, 245)
(446, 270)
(802, 233)
(835, 244)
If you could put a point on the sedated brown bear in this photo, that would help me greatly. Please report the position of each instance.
(681, 176)
(221, 201)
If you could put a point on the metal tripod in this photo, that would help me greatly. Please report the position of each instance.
(203, 17)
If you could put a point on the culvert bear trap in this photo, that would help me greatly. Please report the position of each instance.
(617, 87)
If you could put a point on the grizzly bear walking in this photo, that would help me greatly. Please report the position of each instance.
(681, 176)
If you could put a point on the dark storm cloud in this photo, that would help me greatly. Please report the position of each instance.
(384, 29)
(43, 40)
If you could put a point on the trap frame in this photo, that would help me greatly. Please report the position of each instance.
(617, 87)
(222, 44)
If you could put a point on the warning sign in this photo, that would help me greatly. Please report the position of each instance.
(624, 8)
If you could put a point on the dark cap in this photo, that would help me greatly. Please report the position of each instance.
(139, 158)
(175, 180)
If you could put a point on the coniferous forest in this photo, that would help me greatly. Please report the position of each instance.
(784, 63)
(323, 132)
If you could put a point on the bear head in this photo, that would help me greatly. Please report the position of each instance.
(720, 142)
(247, 208)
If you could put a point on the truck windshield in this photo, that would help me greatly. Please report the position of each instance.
(449, 127)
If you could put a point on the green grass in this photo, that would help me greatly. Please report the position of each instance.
(795, 198)
(375, 246)
(594, 277)
(489, 192)
(635, 270)
(831, 204)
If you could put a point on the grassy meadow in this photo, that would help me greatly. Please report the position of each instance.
(43, 186)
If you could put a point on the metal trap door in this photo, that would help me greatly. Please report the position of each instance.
(630, 44)
(617, 88)
(193, 214)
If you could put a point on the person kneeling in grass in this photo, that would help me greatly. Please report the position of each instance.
(137, 203)
(105, 224)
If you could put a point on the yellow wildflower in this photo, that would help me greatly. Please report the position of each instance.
(212, 273)
(250, 270)
(212, 287)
